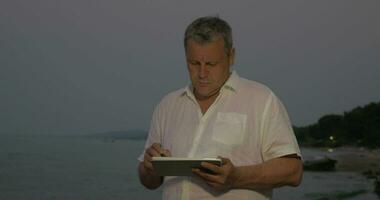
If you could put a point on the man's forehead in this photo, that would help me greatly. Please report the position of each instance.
(205, 52)
(205, 43)
(203, 58)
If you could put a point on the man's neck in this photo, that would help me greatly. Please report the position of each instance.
(206, 102)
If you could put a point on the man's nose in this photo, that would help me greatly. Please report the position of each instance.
(203, 71)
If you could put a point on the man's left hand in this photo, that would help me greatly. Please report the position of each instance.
(221, 178)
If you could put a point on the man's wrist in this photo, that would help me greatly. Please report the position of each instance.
(236, 176)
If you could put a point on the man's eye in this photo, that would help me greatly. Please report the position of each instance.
(194, 63)
(212, 64)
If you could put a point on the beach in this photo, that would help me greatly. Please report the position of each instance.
(359, 160)
(349, 180)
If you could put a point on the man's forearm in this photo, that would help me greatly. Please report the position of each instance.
(149, 180)
(273, 173)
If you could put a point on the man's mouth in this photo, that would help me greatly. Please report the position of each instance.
(202, 83)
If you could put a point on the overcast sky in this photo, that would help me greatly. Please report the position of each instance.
(80, 66)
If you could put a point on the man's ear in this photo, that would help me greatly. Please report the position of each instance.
(231, 56)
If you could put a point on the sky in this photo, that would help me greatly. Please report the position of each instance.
(91, 66)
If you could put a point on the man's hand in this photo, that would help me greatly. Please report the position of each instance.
(277, 172)
(154, 151)
(221, 178)
(148, 176)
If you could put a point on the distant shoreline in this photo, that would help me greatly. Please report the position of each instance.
(358, 160)
(353, 159)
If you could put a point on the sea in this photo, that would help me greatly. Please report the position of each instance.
(49, 167)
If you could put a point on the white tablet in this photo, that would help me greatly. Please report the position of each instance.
(174, 166)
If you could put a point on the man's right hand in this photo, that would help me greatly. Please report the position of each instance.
(155, 150)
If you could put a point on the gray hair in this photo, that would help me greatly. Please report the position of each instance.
(209, 29)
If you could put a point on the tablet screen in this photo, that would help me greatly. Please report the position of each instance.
(174, 166)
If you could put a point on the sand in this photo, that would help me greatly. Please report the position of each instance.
(359, 160)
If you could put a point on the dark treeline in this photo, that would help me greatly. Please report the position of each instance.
(358, 127)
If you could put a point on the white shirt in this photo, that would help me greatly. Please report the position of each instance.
(247, 123)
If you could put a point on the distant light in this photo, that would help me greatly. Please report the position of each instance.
(331, 137)
(330, 150)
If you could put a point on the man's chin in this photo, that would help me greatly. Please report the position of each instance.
(204, 94)
(200, 93)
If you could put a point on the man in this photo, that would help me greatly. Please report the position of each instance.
(221, 115)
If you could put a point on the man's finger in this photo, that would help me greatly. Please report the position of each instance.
(166, 153)
(214, 168)
(157, 147)
(147, 162)
(147, 157)
(205, 176)
(149, 166)
(224, 160)
(213, 184)
(153, 152)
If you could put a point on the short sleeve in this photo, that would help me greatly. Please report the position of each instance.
(277, 134)
(155, 131)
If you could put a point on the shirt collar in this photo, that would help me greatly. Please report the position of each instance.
(231, 84)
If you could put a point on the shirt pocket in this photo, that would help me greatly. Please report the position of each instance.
(229, 128)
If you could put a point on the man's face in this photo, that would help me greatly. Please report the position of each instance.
(209, 67)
